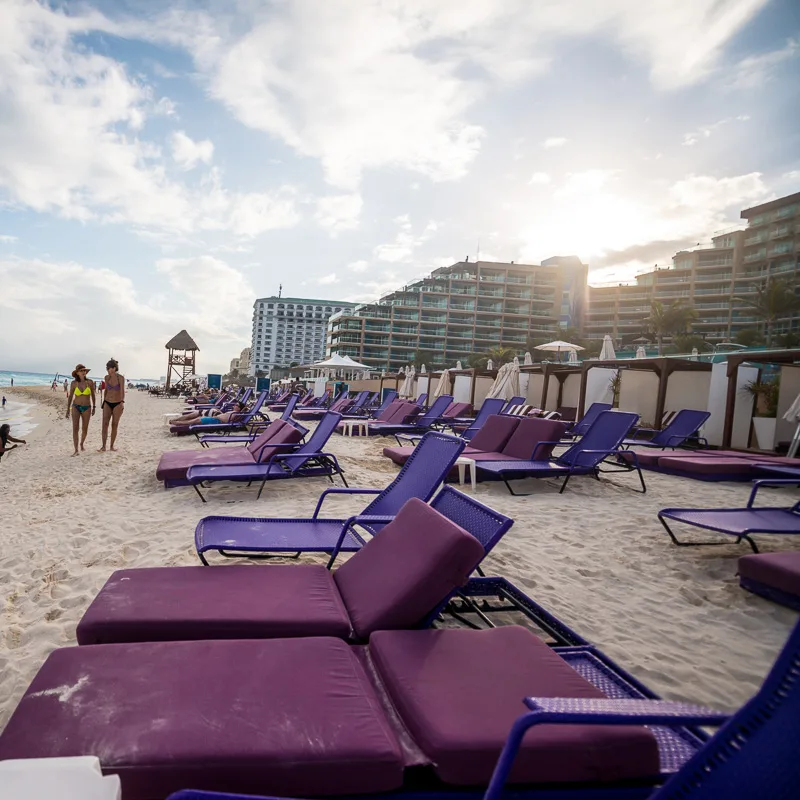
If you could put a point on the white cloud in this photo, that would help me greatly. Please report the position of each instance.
(554, 141)
(327, 280)
(188, 153)
(339, 212)
(540, 179)
(358, 266)
(8, 239)
(705, 131)
(583, 183)
(792, 176)
(754, 71)
(405, 242)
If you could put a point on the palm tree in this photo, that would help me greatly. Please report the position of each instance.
(500, 355)
(666, 320)
(772, 300)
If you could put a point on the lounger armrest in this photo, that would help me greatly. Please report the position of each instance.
(366, 520)
(585, 711)
(278, 457)
(591, 711)
(337, 490)
(769, 482)
(636, 431)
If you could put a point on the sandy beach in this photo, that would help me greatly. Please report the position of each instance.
(596, 556)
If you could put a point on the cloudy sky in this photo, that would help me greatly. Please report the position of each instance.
(162, 164)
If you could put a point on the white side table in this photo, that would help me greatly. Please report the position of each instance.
(353, 425)
(463, 463)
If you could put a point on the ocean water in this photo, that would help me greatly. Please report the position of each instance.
(46, 378)
(28, 378)
(18, 415)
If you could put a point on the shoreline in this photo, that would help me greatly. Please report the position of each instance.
(595, 556)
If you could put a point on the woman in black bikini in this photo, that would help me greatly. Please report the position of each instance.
(81, 396)
(114, 402)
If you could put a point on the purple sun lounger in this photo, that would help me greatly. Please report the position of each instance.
(592, 413)
(229, 438)
(400, 578)
(685, 424)
(514, 402)
(420, 477)
(741, 523)
(315, 717)
(775, 576)
(309, 460)
(600, 442)
(420, 424)
(241, 421)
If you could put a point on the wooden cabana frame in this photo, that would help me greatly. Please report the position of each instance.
(181, 361)
(662, 366)
(552, 369)
(734, 361)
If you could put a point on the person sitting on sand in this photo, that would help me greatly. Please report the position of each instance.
(6, 437)
(114, 402)
(81, 396)
(209, 417)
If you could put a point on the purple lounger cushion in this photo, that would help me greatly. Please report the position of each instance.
(531, 431)
(396, 580)
(163, 604)
(706, 465)
(459, 692)
(779, 571)
(294, 717)
(494, 434)
(402, 574)
(174, 465)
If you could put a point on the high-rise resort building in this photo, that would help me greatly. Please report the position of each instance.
(709, 279)
(289, 330)
(469, 307)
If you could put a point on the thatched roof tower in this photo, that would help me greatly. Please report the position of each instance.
(181, 361)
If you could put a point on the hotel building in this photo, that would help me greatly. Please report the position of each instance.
(290, 329)
(708, 279)
(466, 308)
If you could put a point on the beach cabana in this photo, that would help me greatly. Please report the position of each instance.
(181, 362)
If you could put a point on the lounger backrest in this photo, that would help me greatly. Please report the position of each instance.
(339, 405)
(422, 399)
(323, 431)
(529, 433)
(389, 409)
(592, 413)
(256, 408)
(401, 411)
(755, 753)
(605, 434)
(513, 403)
(288, 434)
(684, 424)
(494, 434)
(485, 524)
(421, 475)
(265, 436)
(387, 401)
(440, 404)
(457, 410)
(406, 570)
(290, 406)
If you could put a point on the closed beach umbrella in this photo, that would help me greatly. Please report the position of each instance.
(422, 370)
(641, 352)
(443, 387)
(489, 363)
(458, 365)
(695, 353)
(528, 359)
(607, 353)
(506, 384)
(407, 389)
(793, 416)
(573, 357)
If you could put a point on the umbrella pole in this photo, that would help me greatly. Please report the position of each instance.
(793, 447)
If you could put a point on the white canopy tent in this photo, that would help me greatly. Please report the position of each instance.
(338, 367)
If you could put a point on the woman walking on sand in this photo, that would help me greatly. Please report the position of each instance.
(81, 396)
(114, 402)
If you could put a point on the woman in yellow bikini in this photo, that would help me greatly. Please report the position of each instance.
(81, 396)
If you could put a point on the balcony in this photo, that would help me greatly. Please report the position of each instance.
(523, 280)
(781, 249)
(462, 276)
(405, 315)
(661, 293)
(518, 294)
(431, 331)
(757, 256)
(776, 270)
(485, 291)
(487, 323)
(714, 290)
(425, 344)
(469, 321)
(751, 240)
(490, 308)
(514, 338)
(463, 290)
(720, 262)
(719, 276)
(433, 303)
(493, 278)
(711, 305)
(662, 281)
(783, 230)
(518, 324)
(372, 328)
(635, 310)
(434, 317)
(456, 305)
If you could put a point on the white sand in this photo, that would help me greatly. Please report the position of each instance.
(595, 556)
